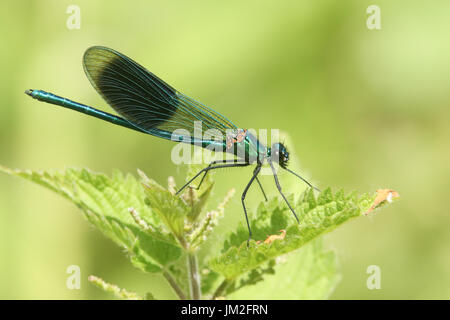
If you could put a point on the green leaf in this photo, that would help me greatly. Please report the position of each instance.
(169, 208)
(158, 229)
(308, 273)
(199, 204)
(317, 216)
(253, 277)
(209, 280)
(105, 202)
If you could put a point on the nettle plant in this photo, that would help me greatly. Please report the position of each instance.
(163, 233)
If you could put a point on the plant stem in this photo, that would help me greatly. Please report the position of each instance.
(174, 285)
(194, 276)
(221, 288)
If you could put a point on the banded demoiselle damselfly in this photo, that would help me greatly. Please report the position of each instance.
(149, 105)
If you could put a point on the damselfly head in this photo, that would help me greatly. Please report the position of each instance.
(279, 154)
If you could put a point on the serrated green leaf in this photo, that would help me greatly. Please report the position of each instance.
(105, 202)
(309, 273)
(153, 225)
(317, 216)
(199, 204)
(169, 208)
(253, 277)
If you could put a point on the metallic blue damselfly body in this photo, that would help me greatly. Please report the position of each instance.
(147, 104)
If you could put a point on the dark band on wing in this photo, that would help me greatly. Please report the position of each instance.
(145, 100)
(124, 85)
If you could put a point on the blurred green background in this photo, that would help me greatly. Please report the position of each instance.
(366, 109)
